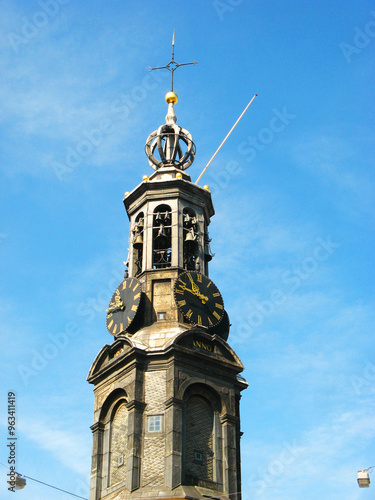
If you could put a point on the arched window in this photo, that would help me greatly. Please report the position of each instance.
(118, 444)
(199, 441)
(203, 463)
(162, 237)
(138, 232)
(190, 225)
(112, 443)
(207, 250)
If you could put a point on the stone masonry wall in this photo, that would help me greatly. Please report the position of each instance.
(153, 461)
(119, 441)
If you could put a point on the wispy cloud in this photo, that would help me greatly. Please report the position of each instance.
(337, 445)
(49, 92)
(333, 157)
(68, 447)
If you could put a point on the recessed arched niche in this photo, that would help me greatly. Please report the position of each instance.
(138, 243)
(162, 237)
(190, 237)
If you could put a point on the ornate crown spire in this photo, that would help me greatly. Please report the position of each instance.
(167, 139)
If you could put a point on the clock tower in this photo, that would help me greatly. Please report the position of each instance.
(167, 387)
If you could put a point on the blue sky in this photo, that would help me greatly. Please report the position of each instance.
(293, 233)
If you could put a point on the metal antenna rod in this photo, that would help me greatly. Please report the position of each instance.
(226, 137)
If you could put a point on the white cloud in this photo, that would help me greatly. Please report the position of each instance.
(338, 441)
(68, 447)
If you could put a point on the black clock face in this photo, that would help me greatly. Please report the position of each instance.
(123, 306)
(222, 329)
(198, 299)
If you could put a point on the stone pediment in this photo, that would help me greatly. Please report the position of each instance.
(109, 354)
(199, 341)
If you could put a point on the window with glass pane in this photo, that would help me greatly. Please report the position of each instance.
(154, 423)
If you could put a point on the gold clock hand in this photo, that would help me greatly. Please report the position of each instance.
(115, 309)
(203, 298)
(183, 287)
(195, 291)
(194, 286)
(118, 301)
(117, 305)
(190, 278)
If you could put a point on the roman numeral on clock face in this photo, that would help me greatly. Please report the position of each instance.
(189, 314)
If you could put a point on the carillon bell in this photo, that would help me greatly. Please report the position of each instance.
(207, 253)
(161, 232)
(190, 236)
(138, 242)
(189, 220)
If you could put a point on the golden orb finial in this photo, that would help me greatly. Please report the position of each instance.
(171, 97)
(145, 178)
(178, 175)
(207, 188)
(126, 194)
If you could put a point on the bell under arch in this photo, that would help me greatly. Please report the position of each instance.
(162, 237)
(190, 237)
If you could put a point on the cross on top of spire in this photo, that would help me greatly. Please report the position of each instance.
(173, 65)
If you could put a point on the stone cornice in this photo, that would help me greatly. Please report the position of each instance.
(174, 402)
(171, 188)
(230, 419)
(98, 426)
(136, 405)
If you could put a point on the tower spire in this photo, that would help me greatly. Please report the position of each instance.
(168, 138)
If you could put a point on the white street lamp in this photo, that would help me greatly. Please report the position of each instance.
(364, 478)
(17, 481)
